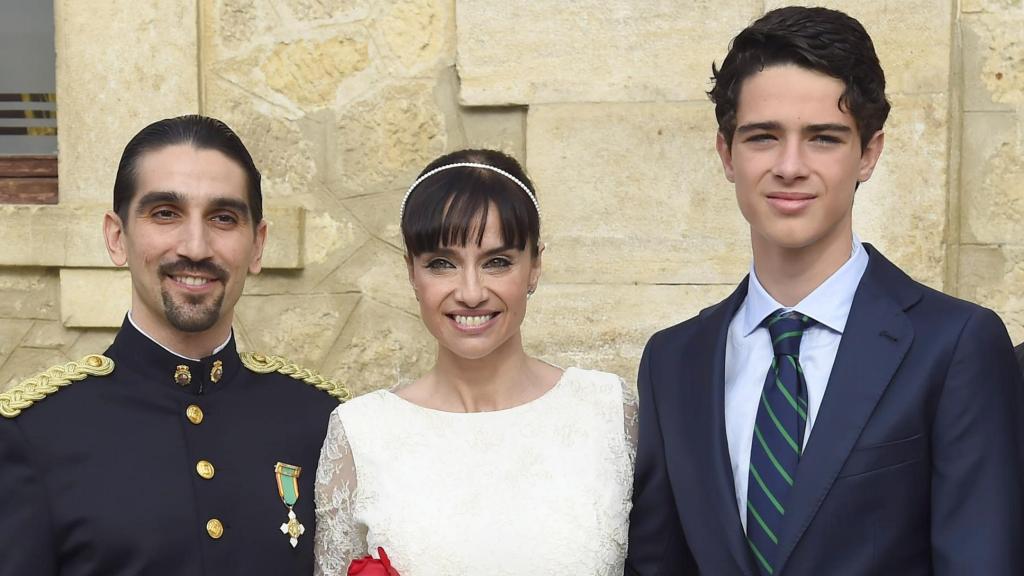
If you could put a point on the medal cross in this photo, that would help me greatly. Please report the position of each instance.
(293, 529)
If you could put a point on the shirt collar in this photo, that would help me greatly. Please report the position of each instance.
(829, 304)
(154, 340)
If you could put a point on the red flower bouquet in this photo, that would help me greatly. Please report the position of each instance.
(370, 566)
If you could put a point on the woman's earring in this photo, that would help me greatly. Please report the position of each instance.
(529, 292)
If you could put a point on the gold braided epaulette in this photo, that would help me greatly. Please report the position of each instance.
(30, 391)
(263, 364)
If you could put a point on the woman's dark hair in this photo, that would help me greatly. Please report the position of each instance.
(819, 39)
(447, 207)
(200, 132)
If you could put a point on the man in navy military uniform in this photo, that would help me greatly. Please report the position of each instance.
(171, 453)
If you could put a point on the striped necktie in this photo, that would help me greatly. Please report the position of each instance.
(778, 437)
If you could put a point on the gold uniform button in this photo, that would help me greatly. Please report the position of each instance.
(194, 414)
(215, 529)
(205, 469)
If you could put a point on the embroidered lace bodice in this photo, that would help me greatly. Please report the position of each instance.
(541, 488)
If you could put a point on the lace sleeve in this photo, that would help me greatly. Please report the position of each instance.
(631, 413)
(338, 539)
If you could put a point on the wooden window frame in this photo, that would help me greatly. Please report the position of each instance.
(28, 179)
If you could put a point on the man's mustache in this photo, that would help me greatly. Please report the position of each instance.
(186, 266)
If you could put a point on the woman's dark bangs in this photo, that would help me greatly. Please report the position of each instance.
(447, 210)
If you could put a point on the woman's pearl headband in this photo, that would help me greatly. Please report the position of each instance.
(401, 212)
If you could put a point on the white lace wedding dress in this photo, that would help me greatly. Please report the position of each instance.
(542, 488)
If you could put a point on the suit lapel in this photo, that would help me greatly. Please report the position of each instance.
(709, 427)
(877, 336)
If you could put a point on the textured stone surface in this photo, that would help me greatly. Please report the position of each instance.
(378, 348)
(120, 66)
(300, 327)
(29, 294)
(27, 362)
(414, 35)
(994, 58)
(992, 276)
(94, 298)
(634, 193)
(914, 50)
(605, 327)
(902, 209)
(309, 72)
(992, 174)
(384, 140)
(543, 51)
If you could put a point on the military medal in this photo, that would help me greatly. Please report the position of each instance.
(288, 488)
(217, 371)
(182, 375)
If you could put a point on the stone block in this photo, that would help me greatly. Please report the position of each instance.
(378, 272)
(29, 294)
(94, 297)
(912, 38)
(993, 276)
(309, 72)
(902, 210)
(379, 347)
(109, 88)
(993, 60)
(992, 178)
(300, 327)
(12, 336)
(415, 37)
(498, 128)
(634, 193)
(605, 327)
(25, 363)
(91, 341)
(285, 237)
(546, 51)
(385, 139)
(50, 334)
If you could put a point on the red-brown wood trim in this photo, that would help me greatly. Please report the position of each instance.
(28, 166)
(28, 190)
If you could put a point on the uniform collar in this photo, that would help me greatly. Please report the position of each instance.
(829, 304)
(136, 351)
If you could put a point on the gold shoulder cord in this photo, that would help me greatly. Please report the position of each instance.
(30, 391)
(263, 364)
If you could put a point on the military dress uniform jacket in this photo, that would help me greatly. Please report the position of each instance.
(162, 466)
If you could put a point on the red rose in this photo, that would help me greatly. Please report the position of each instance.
(370, 566)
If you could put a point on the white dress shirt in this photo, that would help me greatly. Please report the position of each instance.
(748, 354)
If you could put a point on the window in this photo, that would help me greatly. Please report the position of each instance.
(28, 103)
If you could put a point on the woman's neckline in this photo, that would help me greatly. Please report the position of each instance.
(518, 407)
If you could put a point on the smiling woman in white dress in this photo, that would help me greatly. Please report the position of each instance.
(493, 462)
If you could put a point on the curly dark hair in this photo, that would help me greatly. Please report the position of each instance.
(819, 39)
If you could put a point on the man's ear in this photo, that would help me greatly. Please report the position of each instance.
(869, 158)
(258, 243)
(114, 236)
(725, 153)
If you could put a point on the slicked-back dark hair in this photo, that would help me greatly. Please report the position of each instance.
(200, 132)
(819, 39)
(447, 207)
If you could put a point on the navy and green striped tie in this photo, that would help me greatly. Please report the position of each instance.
(778, 437)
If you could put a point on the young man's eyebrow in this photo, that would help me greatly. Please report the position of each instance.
(758, 126)
(827, 127)
(150, 199)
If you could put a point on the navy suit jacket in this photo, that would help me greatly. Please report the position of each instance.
(913, 465)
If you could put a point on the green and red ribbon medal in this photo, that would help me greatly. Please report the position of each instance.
(288, 488)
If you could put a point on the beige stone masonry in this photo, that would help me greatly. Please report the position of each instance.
(121, 65)
(544, 51)
(634, 193)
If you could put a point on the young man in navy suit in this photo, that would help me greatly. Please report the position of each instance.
(831, 416)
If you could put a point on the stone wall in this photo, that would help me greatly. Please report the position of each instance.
(342, 103)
